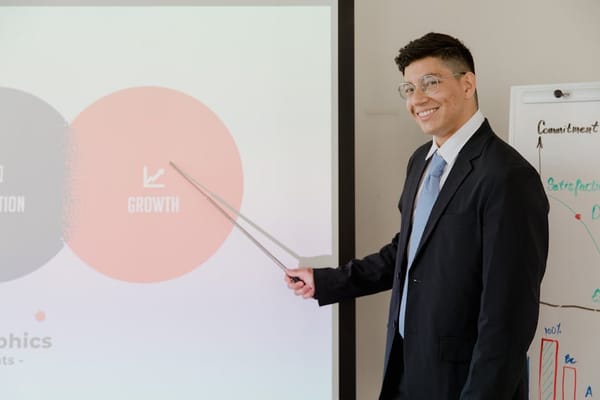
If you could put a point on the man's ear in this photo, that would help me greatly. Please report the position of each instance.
(469, 85)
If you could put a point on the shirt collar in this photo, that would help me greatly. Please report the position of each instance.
(451, 147)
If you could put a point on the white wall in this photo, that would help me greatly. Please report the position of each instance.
(513, 43)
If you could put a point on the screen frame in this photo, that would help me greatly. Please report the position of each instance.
(346, 321)
(346, 203)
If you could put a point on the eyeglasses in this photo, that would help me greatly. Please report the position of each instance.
(428, 84)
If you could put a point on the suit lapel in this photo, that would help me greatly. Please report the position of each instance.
(413, 183)
(410, 192)
(463, 166)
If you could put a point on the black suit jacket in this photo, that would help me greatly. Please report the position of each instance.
(474, 286)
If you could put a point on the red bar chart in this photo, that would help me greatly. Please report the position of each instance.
(569, 383)
(548, 369)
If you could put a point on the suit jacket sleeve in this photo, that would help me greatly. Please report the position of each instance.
(370, 275)
(515, 246)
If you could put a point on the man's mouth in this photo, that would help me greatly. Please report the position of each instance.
(426, 113)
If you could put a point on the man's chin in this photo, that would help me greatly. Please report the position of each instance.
(428, 130)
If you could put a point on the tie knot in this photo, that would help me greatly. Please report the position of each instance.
(437, 165)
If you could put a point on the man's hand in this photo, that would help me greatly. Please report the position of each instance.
(305, 286)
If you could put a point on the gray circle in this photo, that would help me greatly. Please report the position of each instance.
(33, 183)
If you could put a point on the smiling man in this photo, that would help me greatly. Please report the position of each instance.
(466, 266)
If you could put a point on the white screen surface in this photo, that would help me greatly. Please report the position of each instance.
(119, 280)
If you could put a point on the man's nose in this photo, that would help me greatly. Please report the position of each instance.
(418, 96)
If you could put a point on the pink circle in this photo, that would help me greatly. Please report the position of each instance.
(132, 216)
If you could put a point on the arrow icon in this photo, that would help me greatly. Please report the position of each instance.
(150, 181)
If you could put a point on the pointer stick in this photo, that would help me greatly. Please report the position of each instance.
(233, 221)
(235, 213)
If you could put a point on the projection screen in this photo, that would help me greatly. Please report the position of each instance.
(118, 279)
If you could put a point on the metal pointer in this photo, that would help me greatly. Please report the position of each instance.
(198, 187)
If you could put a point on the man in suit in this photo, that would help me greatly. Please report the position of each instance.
(466, 266)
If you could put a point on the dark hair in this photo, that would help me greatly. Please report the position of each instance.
(444, 47)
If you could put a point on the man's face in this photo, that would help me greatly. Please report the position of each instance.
(441, 113)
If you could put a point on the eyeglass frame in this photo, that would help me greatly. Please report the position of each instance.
(420, 83)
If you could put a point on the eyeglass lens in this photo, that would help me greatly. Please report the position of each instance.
(427, 84)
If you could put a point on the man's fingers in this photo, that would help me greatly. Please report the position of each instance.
(293, 283)
(303, 290)
(301, 282)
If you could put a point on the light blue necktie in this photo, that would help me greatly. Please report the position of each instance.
(429, 193)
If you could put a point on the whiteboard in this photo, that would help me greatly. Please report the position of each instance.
(556, 128)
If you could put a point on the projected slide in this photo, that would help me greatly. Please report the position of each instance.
(118, 279)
